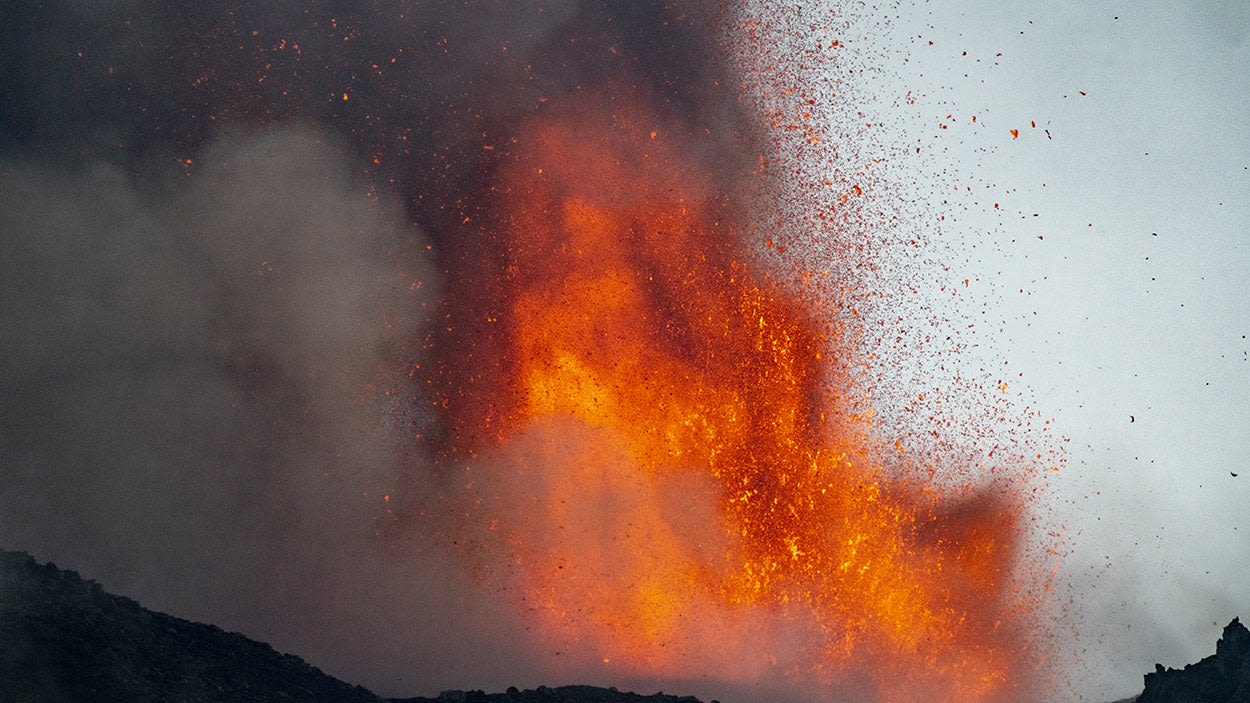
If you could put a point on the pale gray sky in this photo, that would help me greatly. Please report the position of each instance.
(1115, 269)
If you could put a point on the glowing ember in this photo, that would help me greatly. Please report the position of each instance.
(666, 458)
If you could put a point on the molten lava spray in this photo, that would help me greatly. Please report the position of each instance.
(665, 464)
(644, 431)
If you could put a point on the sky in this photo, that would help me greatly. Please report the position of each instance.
(1111, 250)
(208, 328)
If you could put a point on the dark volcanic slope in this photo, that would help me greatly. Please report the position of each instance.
(1223, 677)
(63, 638)
(544, 694)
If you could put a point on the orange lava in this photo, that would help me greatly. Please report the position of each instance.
(676, 471)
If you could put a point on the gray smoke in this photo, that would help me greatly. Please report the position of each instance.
(215, 307)
(204, 403)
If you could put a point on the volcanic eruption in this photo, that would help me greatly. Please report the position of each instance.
(645, 375)
(626, 419)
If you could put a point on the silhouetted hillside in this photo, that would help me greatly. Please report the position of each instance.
(1223, 677)
(63, 638)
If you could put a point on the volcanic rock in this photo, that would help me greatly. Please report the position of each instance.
(63, 638)
(1223, 677)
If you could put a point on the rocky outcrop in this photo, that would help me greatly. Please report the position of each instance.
(63, 638)
(1223, 677)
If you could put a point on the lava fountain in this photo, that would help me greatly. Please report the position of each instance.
(650, 438)
(654, 435)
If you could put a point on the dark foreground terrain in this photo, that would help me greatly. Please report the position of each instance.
(63, 638)
(1223, 677)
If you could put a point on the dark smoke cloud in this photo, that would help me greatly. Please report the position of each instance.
(428, 84)
(203, 404)
(225, 234)
(246, 305)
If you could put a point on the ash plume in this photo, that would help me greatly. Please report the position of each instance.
(227, 229)
(245, 359)
(202, 382)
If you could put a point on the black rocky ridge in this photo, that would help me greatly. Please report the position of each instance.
(63, 638)
(1223, 677)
